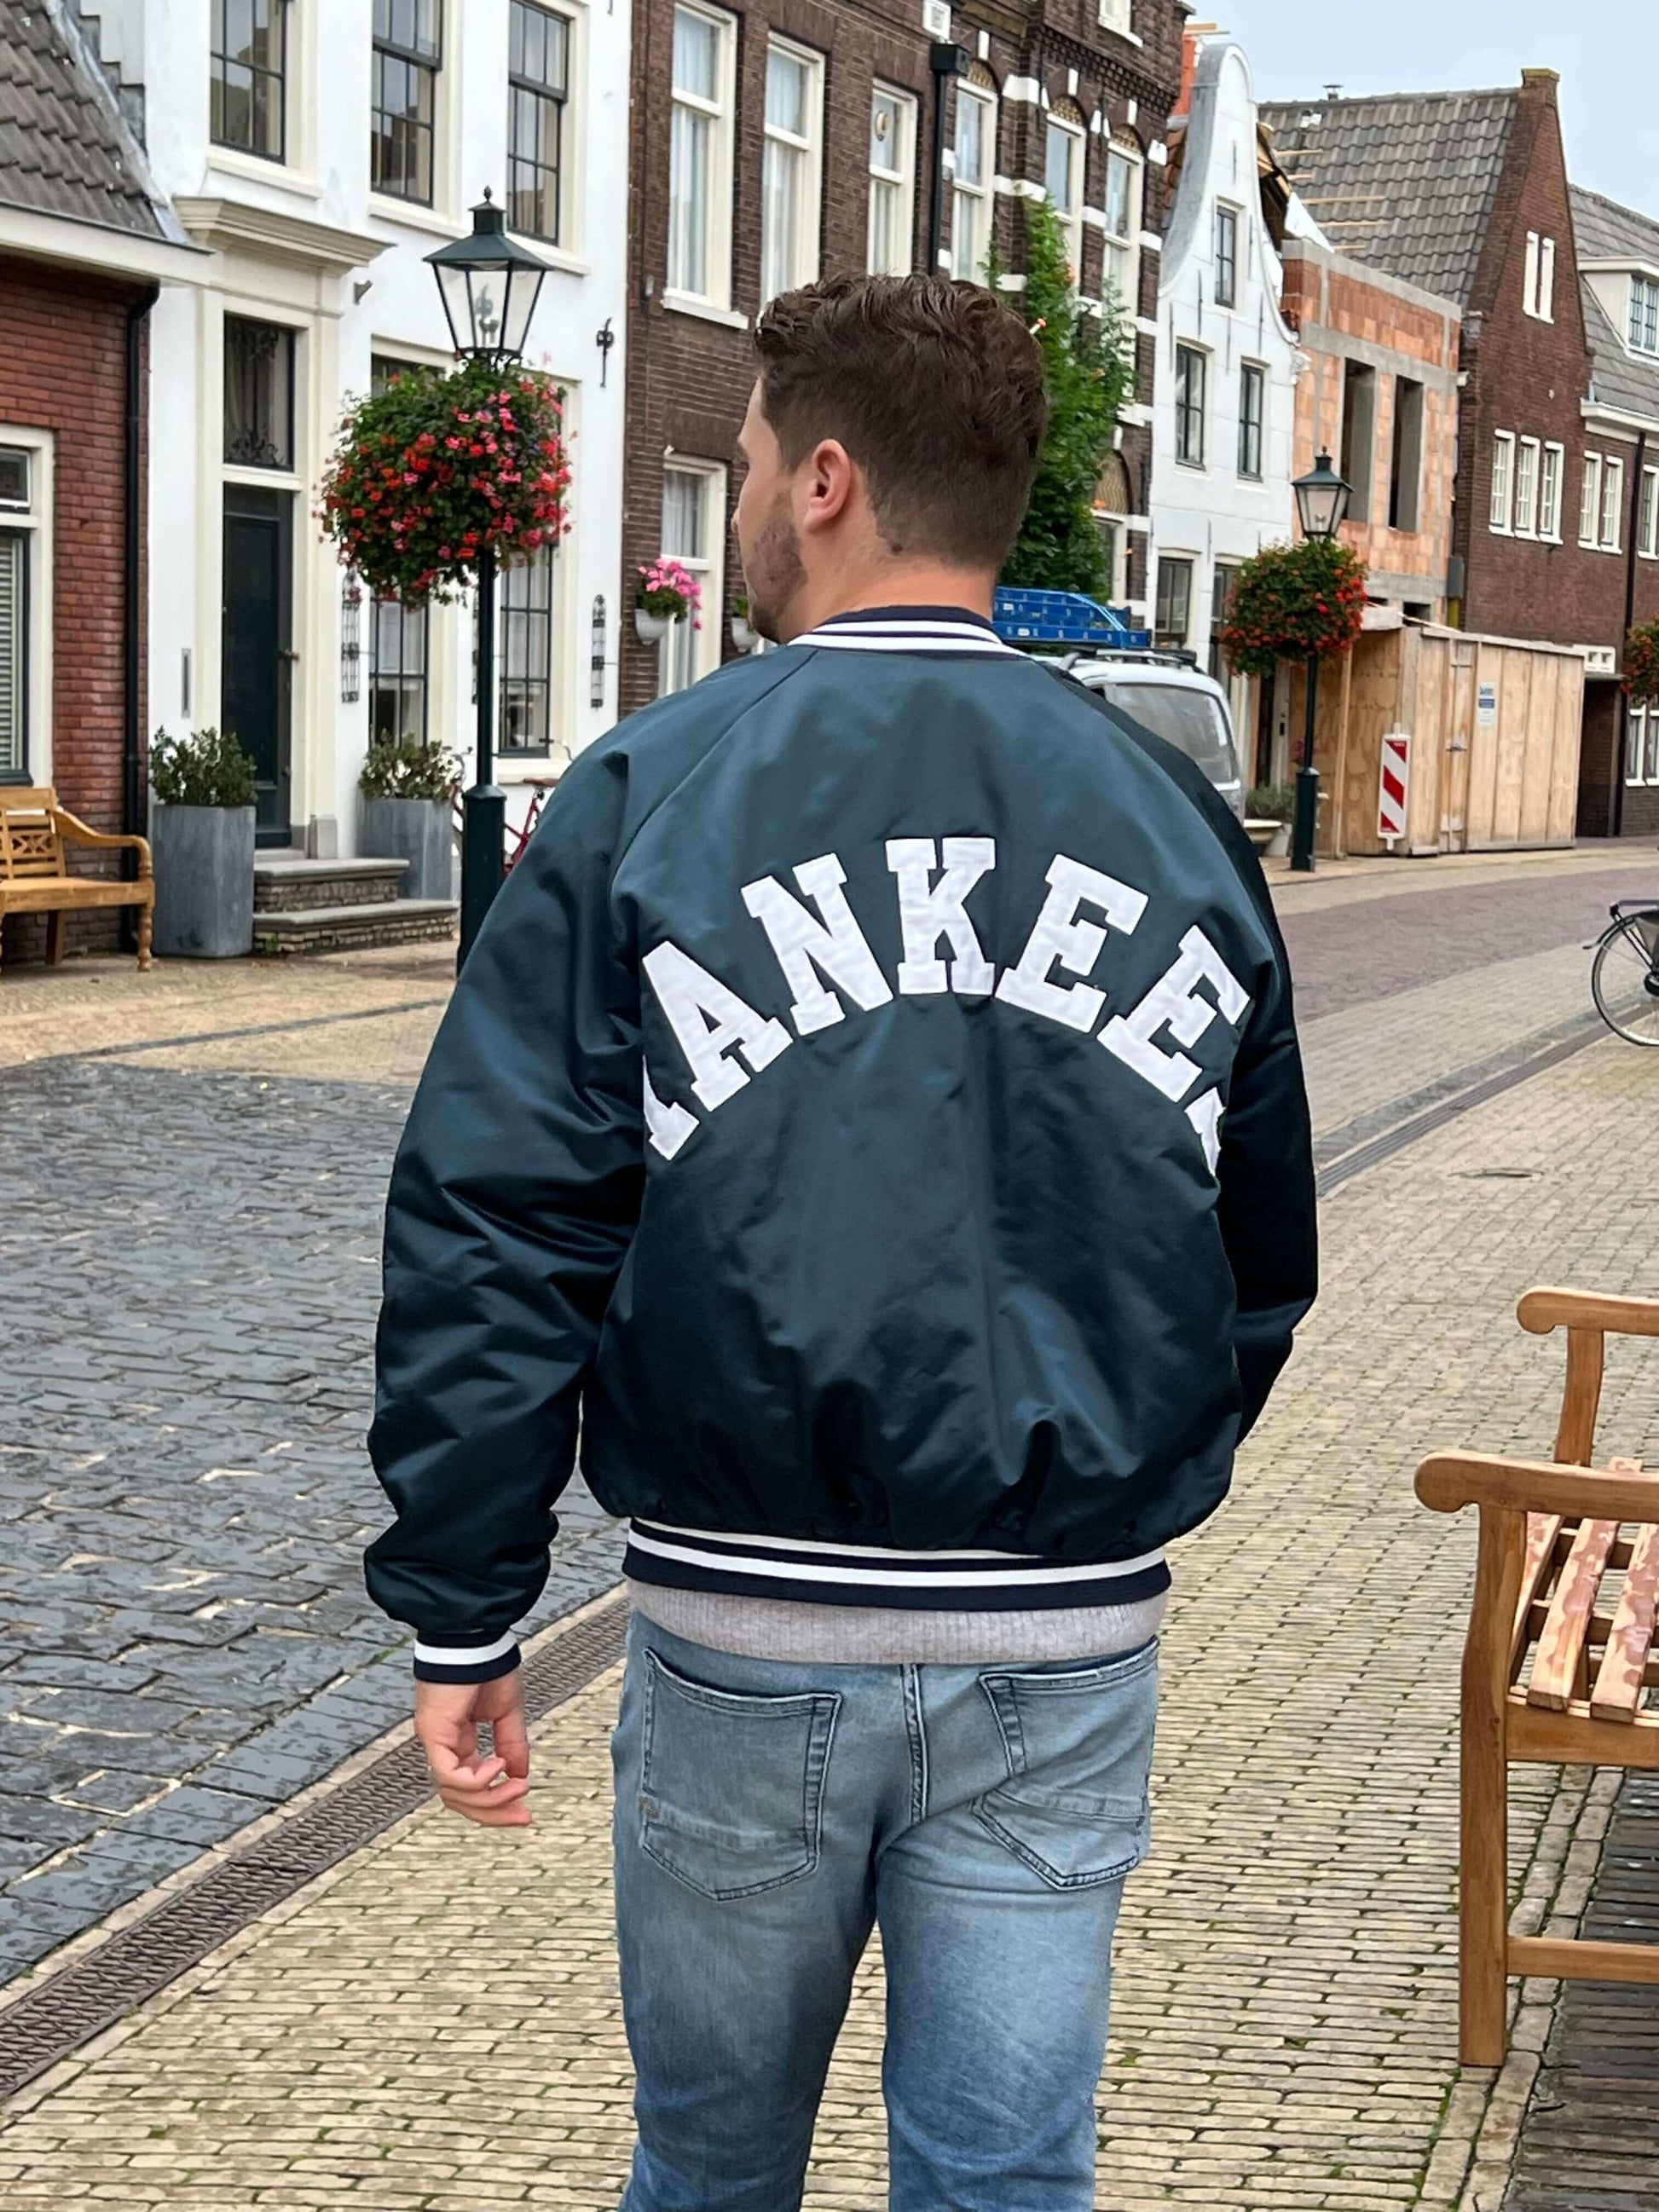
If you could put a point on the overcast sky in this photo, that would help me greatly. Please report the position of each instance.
(1607, 51)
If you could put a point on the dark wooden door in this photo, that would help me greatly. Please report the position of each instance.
(256, 667)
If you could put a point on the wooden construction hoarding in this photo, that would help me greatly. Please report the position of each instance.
(1494, 726)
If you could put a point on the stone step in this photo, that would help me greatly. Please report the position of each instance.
(354, 927)
(282, 885)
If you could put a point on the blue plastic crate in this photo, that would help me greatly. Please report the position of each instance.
(1021, 616)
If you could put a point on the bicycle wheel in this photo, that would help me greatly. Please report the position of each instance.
(1624, 978)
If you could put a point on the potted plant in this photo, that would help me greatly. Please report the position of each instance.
(666, 593)
(202, 836)
(745, 636)
(409, 786)
(1294, 602)
(1268, 812)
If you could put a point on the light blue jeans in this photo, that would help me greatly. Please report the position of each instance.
(769, 1815)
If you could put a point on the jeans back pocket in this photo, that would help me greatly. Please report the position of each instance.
(731, 1790)
(1079, 1746)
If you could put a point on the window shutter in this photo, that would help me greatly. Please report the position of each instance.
(1546, 279)
(13, 646)
(1529, 277)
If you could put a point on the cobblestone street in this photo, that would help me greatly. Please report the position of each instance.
(186, 1642)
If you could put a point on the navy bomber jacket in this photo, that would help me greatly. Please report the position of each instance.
(873, 1113)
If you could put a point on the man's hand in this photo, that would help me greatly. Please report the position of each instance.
(446, 1715)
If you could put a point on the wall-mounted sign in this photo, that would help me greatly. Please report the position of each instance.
(1486, 705)
(935, 19)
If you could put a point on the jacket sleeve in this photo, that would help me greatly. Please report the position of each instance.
(513, 1197)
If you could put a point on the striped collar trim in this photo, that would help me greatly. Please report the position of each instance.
(910, 630)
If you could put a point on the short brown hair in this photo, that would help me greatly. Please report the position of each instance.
(935, 387)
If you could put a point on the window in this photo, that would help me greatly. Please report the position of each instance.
(14, 655)
(397, 636)
(1502, 514)
(1062, 173)
(25, 619)
(1190, 369)
(1226, 257)
(1613, 505)
(1645, 314)
(1359, 435)
(408, 54)
(1647, 533)
(693, 532)
(538, 84)
(1642, 743)
(249, 68)
(789, 169)
(1252, 404)
(1550, 472)
(1221, 607)
(258, 394)
(1115, 15)
(1526, 488)
(1538, 278)
(1174, 600)
(699, 158)
(892, 180)
(970, 188)
(1406, 461)
(1589, 501)
(1123, 225)
(526, 655)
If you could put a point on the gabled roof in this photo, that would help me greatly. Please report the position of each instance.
(63, 151)
(1604, 231)
(1403, 180)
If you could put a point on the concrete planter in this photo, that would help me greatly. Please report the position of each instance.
(418, 830)
(203, 881)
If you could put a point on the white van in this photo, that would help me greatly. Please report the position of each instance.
(1169, 696)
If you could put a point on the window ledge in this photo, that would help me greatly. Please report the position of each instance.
(557, 257)
(704, 311)
(413, 216)
(231, 162)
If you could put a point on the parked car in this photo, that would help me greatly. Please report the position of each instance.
(1169, 697)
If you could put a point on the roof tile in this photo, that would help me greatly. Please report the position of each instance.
(61, 147)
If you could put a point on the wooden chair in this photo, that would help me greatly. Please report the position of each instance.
(1550, 1532)
(34, 876)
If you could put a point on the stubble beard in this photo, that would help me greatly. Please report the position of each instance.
(774, 572)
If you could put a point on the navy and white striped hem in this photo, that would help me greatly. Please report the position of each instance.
(860, 1574)
(465, 1662)
(920, 630)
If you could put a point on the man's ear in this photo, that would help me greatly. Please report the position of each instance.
(832, 480)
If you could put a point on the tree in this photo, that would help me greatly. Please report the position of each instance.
(1088, 371)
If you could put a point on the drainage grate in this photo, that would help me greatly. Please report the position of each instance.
(84, 1999)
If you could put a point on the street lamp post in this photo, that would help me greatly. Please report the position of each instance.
(489, 285)
(1322, 500)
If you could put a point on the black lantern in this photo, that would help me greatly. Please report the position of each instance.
(1321, 499)
(489, 285)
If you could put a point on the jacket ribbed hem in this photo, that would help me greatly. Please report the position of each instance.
(466, 1663)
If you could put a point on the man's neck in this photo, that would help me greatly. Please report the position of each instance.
(917, 584)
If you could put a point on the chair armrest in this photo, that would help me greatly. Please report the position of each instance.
(1546, 1309)
(80, 833)
(1447, 1481)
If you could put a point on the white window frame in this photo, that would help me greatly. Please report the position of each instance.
(709, 566)
(800, 264)
(572, 136)
(977, 201)
(1647, 513)
(1070, 216)
(720, 114)
(1500, 516)
(1125, 245)
(1528, 453)
(1644, 291)
(1538, 278)
(34, 524)
(1642, 743)
(1258, 370)
(900, 180)
(1201, 355)
(1224, 211)
(1117, 16)
(1613, 505)
(1590, 502)
(1552, 477)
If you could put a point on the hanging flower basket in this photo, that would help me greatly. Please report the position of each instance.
(441, 467)
(666, 593)
(1642, 662)
(1291, 602)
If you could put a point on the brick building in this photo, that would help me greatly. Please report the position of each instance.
(1465, 194)
(775, 140)
(84, 242)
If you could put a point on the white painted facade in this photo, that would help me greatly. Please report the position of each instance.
(1221, 496)
(303, 243)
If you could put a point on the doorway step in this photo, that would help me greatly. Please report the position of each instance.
(339, 906)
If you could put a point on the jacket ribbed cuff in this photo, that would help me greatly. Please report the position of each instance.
(466, 1663)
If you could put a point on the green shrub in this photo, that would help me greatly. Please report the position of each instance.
(405, 767)
(206, 768)
(1270, 802)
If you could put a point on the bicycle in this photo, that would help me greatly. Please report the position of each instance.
(1625, 974)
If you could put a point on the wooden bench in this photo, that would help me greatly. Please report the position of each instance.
(1560, 1655)
(34, 876)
